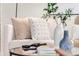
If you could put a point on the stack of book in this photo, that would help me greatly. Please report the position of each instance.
(45, 50)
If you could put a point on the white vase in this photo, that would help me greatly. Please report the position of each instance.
(58, 35)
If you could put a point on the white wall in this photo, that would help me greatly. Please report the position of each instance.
(7, 11)
(73, 6)
(31, 10)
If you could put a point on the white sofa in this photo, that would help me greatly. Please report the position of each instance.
(10, 42)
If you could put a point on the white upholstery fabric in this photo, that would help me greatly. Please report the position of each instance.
(7, 37)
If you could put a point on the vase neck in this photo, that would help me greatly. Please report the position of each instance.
(65, 27)
(66, 34)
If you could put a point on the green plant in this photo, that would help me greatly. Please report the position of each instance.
(64, 16)
(51, 9)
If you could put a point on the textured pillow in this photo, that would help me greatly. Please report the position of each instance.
(21, 28)
(39, 29)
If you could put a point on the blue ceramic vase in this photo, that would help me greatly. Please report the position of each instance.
(65, 43)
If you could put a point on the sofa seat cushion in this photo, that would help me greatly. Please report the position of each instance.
(19, 43)
(21, 28)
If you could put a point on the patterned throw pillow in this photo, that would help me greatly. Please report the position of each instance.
(39, 29)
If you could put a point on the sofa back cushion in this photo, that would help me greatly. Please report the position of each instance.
(21, 28)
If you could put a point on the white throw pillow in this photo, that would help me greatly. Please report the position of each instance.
(39, 29)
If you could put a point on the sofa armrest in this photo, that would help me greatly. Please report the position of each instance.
(9, 32)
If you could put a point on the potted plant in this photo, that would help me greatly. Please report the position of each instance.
(50, 12)
(51, 9)
(61, 34)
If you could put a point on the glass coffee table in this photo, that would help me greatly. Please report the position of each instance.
(18, 51)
